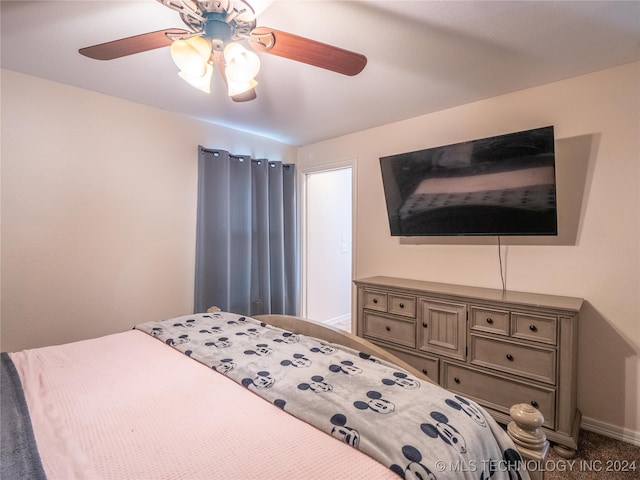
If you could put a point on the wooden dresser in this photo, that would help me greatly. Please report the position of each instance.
(497, 348)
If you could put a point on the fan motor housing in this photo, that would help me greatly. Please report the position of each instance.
(218, 31)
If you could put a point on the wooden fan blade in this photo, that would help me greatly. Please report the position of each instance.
(307, 51)
(242, 97)
(130, 45)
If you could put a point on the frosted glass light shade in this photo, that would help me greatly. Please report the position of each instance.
(202, 82)
(191, 55)
(236, 88)
(241, 64)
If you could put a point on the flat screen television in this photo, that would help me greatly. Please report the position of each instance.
(503, 185)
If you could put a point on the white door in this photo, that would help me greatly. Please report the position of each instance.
(327, 244)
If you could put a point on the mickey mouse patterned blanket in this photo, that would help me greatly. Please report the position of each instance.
(417, 429)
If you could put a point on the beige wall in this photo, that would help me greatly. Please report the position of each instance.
(596, 255)
(98, 210)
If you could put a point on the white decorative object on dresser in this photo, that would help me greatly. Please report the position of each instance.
(496, 347)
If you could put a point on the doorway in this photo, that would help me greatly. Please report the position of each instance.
(328, 246)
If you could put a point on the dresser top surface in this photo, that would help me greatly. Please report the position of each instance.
(479, 293)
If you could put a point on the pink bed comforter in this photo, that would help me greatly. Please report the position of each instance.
(127, 406)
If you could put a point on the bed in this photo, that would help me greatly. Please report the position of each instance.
(219, 395)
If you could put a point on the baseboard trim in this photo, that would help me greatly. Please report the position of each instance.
(340, 319)
(612, 431)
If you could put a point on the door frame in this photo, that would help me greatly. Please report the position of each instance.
(303, 174)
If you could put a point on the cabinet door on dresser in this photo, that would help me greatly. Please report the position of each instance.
(442, 328)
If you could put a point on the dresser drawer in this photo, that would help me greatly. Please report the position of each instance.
(489, 320)
(530, 362)
(402, 305)
(374, 300)
(394, 330)
(534, 327)
(498, 393)
(428, 366)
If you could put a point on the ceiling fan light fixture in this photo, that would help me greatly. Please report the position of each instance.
(191, 55)
(214, 27)
(237, 88)
(202, 82)
(242, 65)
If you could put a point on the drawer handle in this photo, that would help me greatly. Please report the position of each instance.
(456, 379)
(424, 370)
(388, 328)
(375, 300)
(534, 404)
(425, 324)
(509, 357)
(490, 321)
(401, 305)
(533, 328)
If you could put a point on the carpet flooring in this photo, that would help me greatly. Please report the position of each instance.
(598, 457)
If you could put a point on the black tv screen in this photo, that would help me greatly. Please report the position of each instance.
(503, 185)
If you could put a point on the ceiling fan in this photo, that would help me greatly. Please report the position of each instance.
(214, 31)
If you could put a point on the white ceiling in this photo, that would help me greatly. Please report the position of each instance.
(423, 56)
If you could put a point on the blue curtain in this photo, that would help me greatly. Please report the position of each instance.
(247, 256)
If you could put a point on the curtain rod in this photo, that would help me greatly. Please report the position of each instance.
(217, 152)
